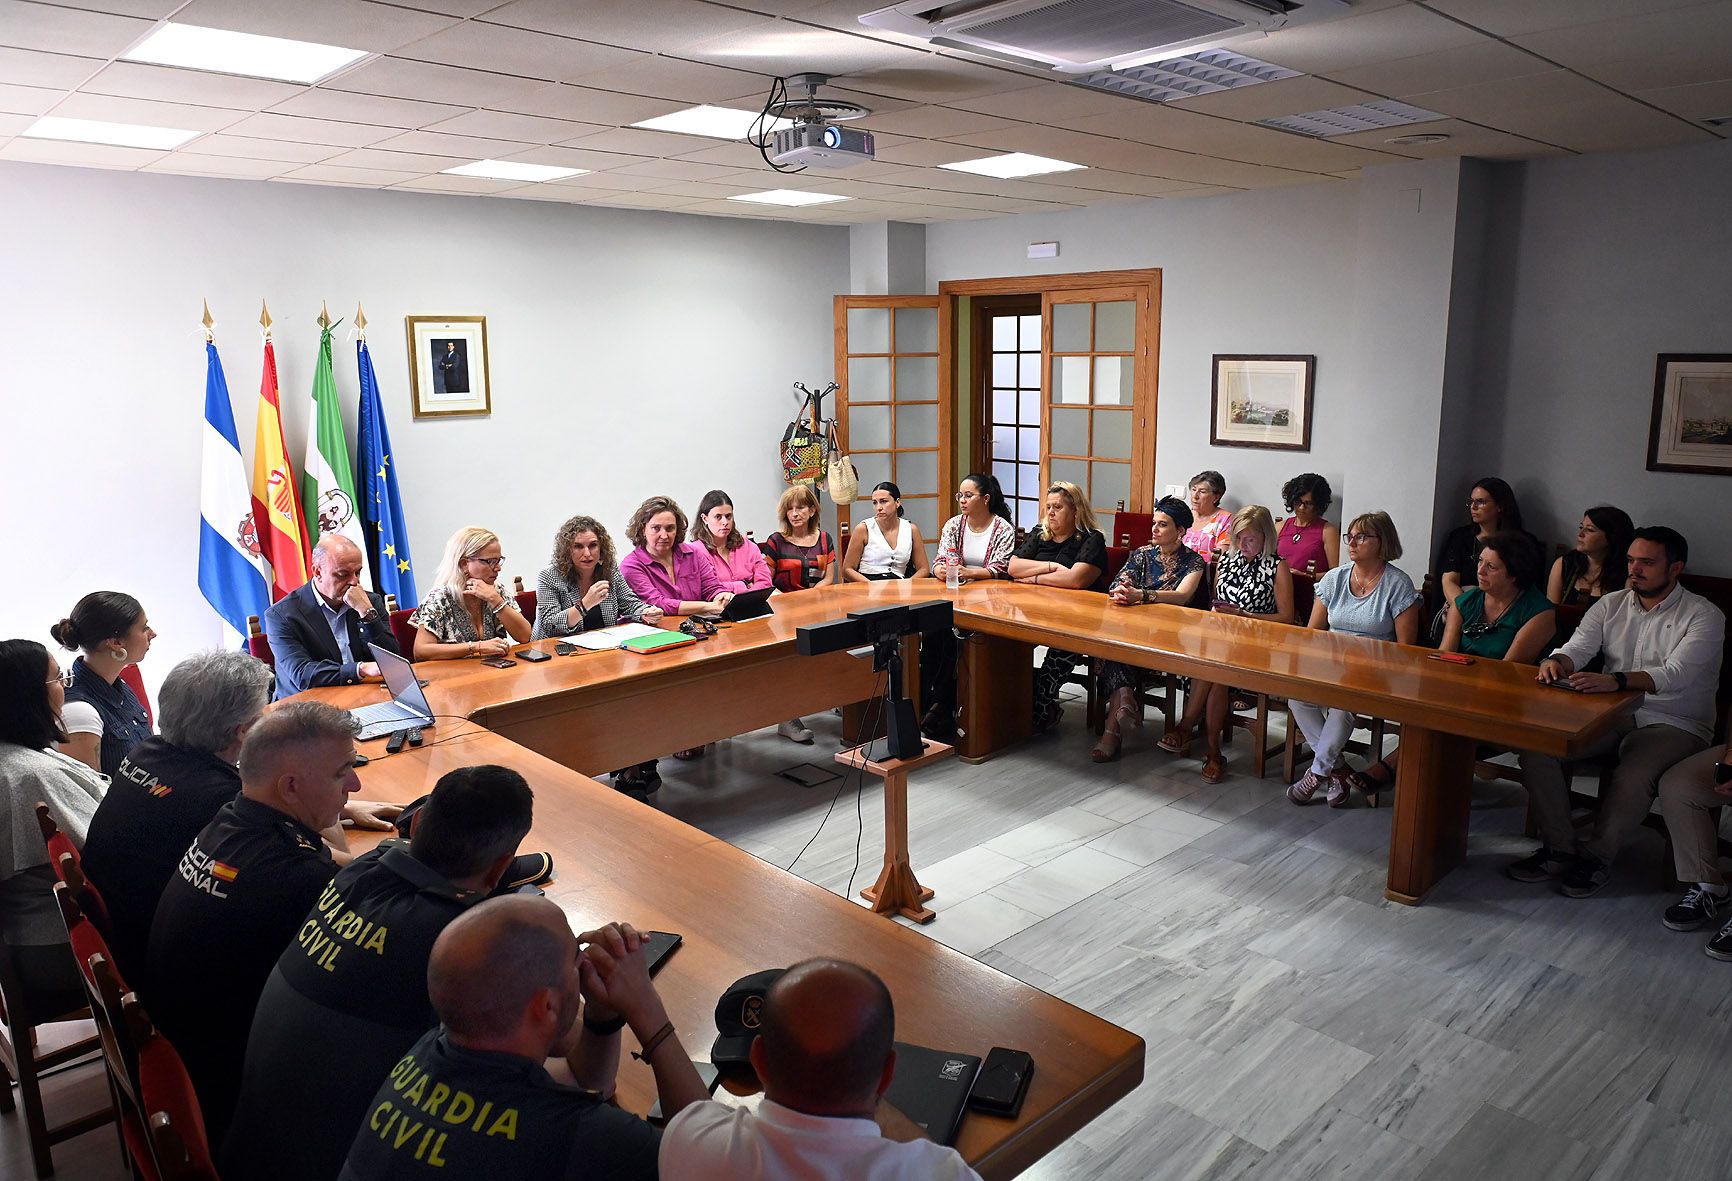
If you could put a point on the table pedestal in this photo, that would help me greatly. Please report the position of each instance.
(897, 890)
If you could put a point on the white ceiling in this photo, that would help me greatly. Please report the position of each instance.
(559, 81)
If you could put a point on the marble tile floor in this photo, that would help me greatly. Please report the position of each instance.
(1298, 1025)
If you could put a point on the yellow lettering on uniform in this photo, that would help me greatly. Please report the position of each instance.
(305, 933)
(416, 1090)
(376, 943)
(414, 1071)
(373, 1120)
(406, 1132)
(482, 1118)
(385, 1132)
(433, 1158)
(505, 1125)
(404, 1064)
(441, 1092)
(462, 1103)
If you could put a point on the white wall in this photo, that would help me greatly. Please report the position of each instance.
(1605, 262)
(631, 352)
(1355, 272)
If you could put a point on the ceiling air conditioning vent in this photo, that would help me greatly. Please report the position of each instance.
(1085, 36)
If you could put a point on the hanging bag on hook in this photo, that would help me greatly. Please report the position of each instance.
(802, 447)
(844, 477)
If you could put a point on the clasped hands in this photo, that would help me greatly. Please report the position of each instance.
(1551, 671)
(614, 975)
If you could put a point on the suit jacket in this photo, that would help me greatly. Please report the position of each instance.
(305, 650)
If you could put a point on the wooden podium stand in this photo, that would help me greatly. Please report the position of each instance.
(897, 890)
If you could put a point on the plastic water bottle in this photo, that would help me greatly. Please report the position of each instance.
(952, 572)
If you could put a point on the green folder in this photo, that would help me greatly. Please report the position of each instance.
(659, 641)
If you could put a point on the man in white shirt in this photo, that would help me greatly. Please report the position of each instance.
(824, 1054)
(1658, 639)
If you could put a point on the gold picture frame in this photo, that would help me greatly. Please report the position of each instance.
(448, 370)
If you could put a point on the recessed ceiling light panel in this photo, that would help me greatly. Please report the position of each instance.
(220, 51)
(513, 170)
(1369, 116)
(788, 197)
(96, 131)
(1013, 165)
(715, 122)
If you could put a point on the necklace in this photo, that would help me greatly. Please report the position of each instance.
(1359, 586)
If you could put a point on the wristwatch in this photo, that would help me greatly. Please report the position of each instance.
(1623, 681)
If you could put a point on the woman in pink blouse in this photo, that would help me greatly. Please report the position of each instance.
(739, 566)
(1211, 524)
(676, 577)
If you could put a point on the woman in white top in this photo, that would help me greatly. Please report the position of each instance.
(885, 545)
(980, 538)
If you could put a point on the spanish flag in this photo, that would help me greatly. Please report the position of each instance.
(282, 527)
(223, 870)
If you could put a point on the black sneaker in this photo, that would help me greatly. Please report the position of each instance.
(1696, 909)
(1583, 877)
(1720, 947)
(1542, 866)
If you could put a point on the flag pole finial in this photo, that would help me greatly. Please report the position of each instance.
(324, 314)
(209, 324)
(360, 321)
(265, 318)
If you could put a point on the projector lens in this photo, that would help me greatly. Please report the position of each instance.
(832, 137)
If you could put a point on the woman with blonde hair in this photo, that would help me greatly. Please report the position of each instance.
(1252, 580)
(582, 589)
(466, 614)
(1066, 550)
(801, 554)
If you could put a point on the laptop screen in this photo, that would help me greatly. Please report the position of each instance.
(400, 679)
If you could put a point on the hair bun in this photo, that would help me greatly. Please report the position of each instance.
(65, 634)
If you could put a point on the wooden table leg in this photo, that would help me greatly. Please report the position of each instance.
(1433, 795)
(996, 688)
(897, 890)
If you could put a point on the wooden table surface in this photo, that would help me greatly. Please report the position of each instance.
(616, 859)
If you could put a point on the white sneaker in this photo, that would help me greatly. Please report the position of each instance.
(795, 731)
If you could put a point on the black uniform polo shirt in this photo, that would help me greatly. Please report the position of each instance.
(161, 798)
(240, 892)
(350, 988)
(446, 1111)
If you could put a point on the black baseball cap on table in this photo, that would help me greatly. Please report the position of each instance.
(739, 1016)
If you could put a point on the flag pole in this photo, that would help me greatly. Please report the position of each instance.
(265, 319)
(324, 320)
(209, 325)
(360, 322)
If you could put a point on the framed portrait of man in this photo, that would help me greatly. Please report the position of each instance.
(448, 372)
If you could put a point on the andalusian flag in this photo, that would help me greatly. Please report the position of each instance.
(327, 481)
(276, 509)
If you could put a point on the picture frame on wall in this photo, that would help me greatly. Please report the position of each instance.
(1691, 429)
(448, 371)
(1262, 400)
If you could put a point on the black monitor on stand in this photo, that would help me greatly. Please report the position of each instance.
(882, 629)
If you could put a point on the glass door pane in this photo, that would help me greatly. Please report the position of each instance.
(1094, 410)
(891, 410)
(1013, 400)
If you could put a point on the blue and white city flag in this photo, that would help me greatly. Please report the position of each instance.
(231, 570)
(376, 490)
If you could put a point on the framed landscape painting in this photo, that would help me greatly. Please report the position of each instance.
(1691, 430)
(448, 365)
(1262, 401)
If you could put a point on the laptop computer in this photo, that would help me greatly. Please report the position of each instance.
(749, 605)
(931, 1088)
(407, 708)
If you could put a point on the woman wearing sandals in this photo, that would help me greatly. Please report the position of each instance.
(1252, 581)
(1366, 597)
(1164, 571)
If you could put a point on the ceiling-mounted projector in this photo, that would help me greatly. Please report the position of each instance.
(814, 140)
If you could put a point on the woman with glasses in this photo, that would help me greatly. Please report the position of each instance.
(466, 614)
(1210, 522)
(1163, 571)
(1505, 617)
(979, 539)
(1491, 507)
(1367, 597)
(103, 717)
(1310, 545)
(1597, 566)
(32, 694)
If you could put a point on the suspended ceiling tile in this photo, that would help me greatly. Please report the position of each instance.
(529, 129)
(676, 170)
(568, 157)
(635, 141)
(933, 78)
(1049, 102)
(784, 48)
(11, 125)
(1706, 61)
(1465, 139)
(738, 155)
(148, 9)
(644, 201)
(412, 163)
(1514, 18)
(166, 84)
(610, 181)
(1199, 191)
(1704, 100)
(1612, 123)
(586, 104)
(1187, 131)
(458, 184)
(1493, 103)
(51, 151)
(656, 27)
(347, 107)
(690, 82)
(1289, 96)
(372, 177)
(354, 24)
(151, 114)
(396, 77)
(1358, 39)
(480, 46)
(28, 100)
(67, 30)
(931, 122)
(237, 167)
(1648, 34)
(550, 192)
(695, 188)
(311, 131)
(436, 143)
(1482, 61)
(928, 153)
(57, 71)
(248, 147)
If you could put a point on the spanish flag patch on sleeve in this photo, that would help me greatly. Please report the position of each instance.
(223, 870)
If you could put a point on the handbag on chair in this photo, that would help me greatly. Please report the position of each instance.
(844, 477)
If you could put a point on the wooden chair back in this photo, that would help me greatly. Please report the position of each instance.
(404, 631)
(259, 644)
(68, 867)
(1131, 530)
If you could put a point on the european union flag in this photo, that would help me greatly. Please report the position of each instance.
(376, 480)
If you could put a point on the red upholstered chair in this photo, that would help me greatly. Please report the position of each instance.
(525, 599)
(68, 867)
(178, 1142)
(1131, 530)
(259, 644)
(403, 629)
(129, 673)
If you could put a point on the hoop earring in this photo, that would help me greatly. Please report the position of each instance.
(120, 655)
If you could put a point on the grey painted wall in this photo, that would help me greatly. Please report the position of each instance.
(631, 353)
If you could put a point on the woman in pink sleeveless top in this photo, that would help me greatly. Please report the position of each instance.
(1308, 544)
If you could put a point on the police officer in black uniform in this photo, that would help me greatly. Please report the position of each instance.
(352, 986)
